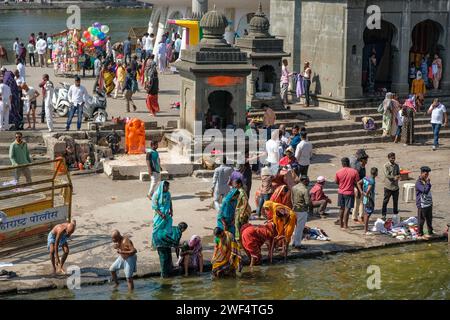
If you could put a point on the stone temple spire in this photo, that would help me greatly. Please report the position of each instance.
(213, 24)
(259, 24)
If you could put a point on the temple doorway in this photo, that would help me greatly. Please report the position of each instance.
(220, 115)
(425, 38)
(377, 58)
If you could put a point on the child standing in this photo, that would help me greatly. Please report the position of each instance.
(400, 119)
(367, 188)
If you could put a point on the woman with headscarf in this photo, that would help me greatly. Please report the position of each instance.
(108, 75)
(191, 255)
(226, 216)
(387, 107)
(437, 71)
(408, 111)
(285, 221)
(151, 84)
(163, 213)
(226, 258)
(16, 107)
(418, 89)
(254, 237)
(282, 195)
(166, 240)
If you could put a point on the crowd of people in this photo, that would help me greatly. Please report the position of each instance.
(398, 118)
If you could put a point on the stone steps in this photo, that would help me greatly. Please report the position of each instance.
(351, 140)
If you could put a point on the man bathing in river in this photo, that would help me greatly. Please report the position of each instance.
(127, 259)
(57, 238)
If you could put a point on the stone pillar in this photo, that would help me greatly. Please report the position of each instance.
(199, 8)
(230, 13)
(400, 66)
(285, 23)
(161, 27)
(445, 56)
(151, 24)
(349, 86)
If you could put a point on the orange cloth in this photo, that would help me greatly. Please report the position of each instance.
(418, 87)
(284, 218)
(135, 136)
(282, 196)
(152, 103)
(253, 238)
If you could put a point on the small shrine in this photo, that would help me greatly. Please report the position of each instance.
(213, 80)
(265, 52)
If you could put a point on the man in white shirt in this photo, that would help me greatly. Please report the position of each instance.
(16, 47)
(162, 56)
(148, 45)
(77, 96)
(273, 155)
(303, 153)
(439, 118)
(143, 44)
(5, 103)
(41, 48)
(177, 46)
(21, 68)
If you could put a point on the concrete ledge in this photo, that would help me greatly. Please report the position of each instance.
(203, 173)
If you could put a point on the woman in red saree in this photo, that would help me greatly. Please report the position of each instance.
(282, 195)
(254, 237)
(151, 83)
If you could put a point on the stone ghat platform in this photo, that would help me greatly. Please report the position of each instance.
(128, 167)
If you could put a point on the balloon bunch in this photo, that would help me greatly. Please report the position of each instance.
(95, 35)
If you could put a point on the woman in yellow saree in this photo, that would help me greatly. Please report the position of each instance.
(108, 78)
(226, 257)
(285, 221)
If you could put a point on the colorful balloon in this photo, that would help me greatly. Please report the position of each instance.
(95, 32)
(101, 36)
(104, 28)
(97, 43)
(90, 30)
(86, 34)
(97, 25)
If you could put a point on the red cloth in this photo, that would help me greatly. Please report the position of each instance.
(253, 238)
(317, 193)
(284, 161)
(347, 178)
(152, 103)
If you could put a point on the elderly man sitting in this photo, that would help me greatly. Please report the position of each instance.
(318, 197)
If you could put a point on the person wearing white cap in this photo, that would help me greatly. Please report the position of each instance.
(318, 197)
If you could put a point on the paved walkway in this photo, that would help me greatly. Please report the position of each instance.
(122, 205)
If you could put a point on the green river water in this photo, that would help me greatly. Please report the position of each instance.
(21, 23)
(417, 271)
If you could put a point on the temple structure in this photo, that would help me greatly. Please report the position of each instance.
(265, 53)
(213, 80)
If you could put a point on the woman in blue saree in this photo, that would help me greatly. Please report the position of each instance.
(162, 207)
(225, 219)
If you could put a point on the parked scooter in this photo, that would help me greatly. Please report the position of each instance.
(60, 101)
(95, 108)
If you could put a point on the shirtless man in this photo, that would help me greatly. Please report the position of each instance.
(57, 238)
(127, 259)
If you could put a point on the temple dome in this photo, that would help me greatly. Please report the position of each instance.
(214, 23)
(259, 24)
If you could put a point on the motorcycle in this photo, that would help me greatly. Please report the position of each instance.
(60, 101)
(95, 108)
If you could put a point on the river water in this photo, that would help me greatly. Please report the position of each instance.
(417, 271)
(21, 23)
